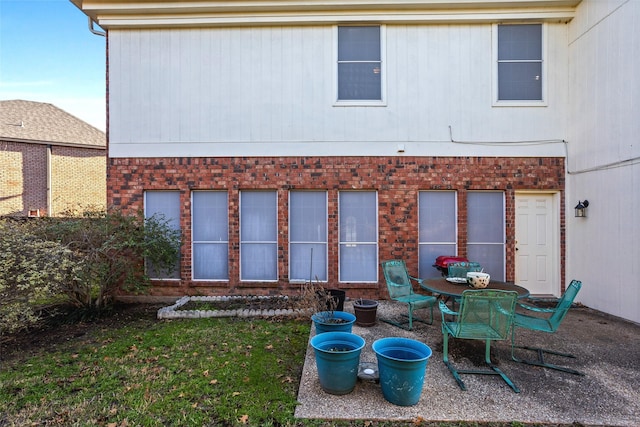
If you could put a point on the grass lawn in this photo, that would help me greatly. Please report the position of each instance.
(133, 372)
(180, 372)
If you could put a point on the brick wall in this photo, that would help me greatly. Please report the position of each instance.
(78, 178)
(23, 178)
(396, 179)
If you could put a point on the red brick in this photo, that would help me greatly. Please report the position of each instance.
(396, 179)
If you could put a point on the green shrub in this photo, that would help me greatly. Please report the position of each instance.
(86, 258)
(32, 272)
(112, 247)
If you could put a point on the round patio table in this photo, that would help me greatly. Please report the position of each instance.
(448, 289)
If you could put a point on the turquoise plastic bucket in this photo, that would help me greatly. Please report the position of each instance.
(402, 365)
(337, 358)
(346, 324)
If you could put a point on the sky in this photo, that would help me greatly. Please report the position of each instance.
(48, 54)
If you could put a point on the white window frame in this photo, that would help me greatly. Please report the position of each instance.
(426, 269)
(254, 242)
(325, 241)
(175, 276)
(195, 242)
(494, 59)
(383, 70)
(356, 242)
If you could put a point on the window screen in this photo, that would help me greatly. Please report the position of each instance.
(258, 236)
(437, 229)
(210, 235)
(359, 63)
(520, 62)
(358, 236)
(307, 235)
(485, 231)
(165, 204)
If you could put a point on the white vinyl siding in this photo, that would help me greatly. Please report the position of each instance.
(210, 235)
(258, 236)
(358, 247)
(602, 249)
(268, 91)
(486, 231)
(438, 231)
(308, 236)
(166, 206)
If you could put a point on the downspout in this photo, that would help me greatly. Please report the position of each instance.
(49, 196)
(94, 31)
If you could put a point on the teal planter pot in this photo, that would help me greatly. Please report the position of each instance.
(402, 365)
(337, 358)
(333, 321)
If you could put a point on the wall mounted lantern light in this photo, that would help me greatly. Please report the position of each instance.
(581, 209)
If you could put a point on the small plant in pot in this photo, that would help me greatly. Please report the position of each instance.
(333, 321)
(323, 306)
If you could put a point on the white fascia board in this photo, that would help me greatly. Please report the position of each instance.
(337, 149)
(250, 6)
(182, 21)
(136, 14)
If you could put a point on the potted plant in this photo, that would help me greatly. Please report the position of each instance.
(326, 318)
(365, 311)
(333, 321)
(322, 305)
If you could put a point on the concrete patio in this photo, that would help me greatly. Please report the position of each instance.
(607, 350)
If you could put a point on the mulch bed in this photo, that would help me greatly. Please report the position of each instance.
(63, 326)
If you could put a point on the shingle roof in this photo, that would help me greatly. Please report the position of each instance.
(42, 122)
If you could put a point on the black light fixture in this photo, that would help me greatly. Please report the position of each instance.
(581, 209)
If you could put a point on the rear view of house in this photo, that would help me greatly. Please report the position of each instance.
(50, 161)
(302, 140)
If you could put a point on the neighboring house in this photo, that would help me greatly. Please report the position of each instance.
(303, 140)
(50, 161)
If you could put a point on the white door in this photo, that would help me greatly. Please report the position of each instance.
(537, 243)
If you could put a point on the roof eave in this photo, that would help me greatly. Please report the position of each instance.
(165, 13)
(54, 143)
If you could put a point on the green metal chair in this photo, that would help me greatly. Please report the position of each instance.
(485, 314)
(548, 324)
(460, 269)
(400, 289)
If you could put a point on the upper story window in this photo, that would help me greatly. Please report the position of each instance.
(360, 64)
(520, 65)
